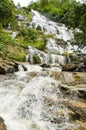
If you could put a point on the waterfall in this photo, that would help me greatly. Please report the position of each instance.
(45, 58)
(50, 27)
(32, 103)
(59, 31)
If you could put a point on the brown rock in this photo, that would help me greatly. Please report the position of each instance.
(81, 127)
(2, 124)
(69, 67)
(78, 109)
(7, 66)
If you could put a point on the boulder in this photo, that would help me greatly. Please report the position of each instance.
(45, 65)
(80, 67)
(69, 67)
(8, 66)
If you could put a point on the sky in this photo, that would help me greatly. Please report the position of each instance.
(26, 2)
(23, 2)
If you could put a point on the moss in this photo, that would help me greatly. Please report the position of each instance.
(36, 59)
(16, 53)
(39, 27)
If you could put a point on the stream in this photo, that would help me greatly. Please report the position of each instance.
(32, 102)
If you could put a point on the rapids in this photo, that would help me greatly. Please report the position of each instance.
(32, 103)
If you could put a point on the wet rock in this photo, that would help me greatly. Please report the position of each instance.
(68, 77)
(2, 124)
(69, 67)
(73, 88)
(20, 17)
(81, 127)
(32, 75)
(79, 110)
(64, 77)
(81, 67)
(45, 65)
(2, 70)
(7, 67)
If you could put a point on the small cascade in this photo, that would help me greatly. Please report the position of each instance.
(49, 58)
(53, 47)
(33, 51)
(20, 68)
(14, 35)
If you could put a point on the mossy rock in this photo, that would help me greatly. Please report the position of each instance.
(36, 59)
(38, 28)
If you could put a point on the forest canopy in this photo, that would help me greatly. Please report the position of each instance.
(6, 11)
(69, 12)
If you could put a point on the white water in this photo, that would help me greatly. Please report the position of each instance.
(32, 103)
(50, 27)
(54, 50)
(49, 58)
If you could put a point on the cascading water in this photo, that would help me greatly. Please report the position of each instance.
(59, 31)
(35, 103)
(32, 103)
(49, 27)
(49, 58)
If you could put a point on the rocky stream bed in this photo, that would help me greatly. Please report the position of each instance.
(70, 96)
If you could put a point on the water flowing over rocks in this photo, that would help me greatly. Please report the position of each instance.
(59, 31)
(57, 46)
(50, 27)
(43, 99)
(44, 57)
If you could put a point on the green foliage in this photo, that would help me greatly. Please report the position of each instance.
(80, 39)
(69, 12)
(5, 39)
(38, 28)
(18, 56)
(75, 17)
(33, 38)
(10, 48)
(6, 8)
(54, 9)
(36, 59)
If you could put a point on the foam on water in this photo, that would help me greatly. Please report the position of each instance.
(31, 104)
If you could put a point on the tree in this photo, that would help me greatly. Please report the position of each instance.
(5, 12)
(44, 2)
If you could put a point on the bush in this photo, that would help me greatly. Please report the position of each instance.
(36, 59)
